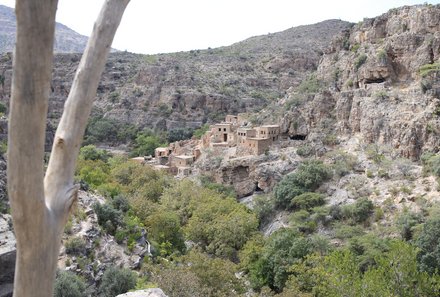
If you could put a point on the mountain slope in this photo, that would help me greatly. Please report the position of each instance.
(66, 40)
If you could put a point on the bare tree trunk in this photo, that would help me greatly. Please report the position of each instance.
(40, 206)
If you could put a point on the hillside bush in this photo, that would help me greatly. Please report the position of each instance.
(68, 284)
(307, 178)
(117, 281)
(310, 85)
(406, 223)
(360, 61)
(359, 211)
(307, 201)
(75, 246)
(109, 218)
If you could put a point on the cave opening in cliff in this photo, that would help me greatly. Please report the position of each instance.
(374, 80)
(298, 137)
(257, 188)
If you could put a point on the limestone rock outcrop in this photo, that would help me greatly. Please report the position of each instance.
(379, 80)
(145, 293)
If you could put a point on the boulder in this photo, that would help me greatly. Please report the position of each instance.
(145, 293)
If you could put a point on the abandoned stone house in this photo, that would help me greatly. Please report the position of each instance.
(248, 140)
(162, 152)
(269, 131)
(254, 146)
(181, 161)
(223, 133)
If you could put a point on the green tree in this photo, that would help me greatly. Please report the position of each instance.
(90, 152)
(282, 249)
(164, 228)
(145, 144)
(221, 226)
(429, 244)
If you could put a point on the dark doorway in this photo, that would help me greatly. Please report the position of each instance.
(298, 137)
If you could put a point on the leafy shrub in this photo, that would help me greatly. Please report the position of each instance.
(431, 163)
(343, 231)
(307, 201)
(264, 207)
(382, 57)
(68, 284)
(75, 246)
(117, 281)
(140, 183)
(359, 211)
(360, 61)
(121, 203)
(90, 152)
(109, 218)
(406, 223)
(309, 85)
(302, 222)
(199, 275)
(305, 150)
(308, 177)
(427, 69)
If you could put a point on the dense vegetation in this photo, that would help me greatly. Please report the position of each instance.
(202, 237)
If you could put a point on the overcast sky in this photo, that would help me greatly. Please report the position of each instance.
(152, 27)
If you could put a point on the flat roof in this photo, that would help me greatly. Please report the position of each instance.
(161, 167)
(270, 126)
(257, 138)
(223, 124)
(184, 157)
(162, 149)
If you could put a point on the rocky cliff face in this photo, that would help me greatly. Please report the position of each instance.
(187, 89)
(379, 80)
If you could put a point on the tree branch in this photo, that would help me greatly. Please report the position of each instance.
(59, 176)
(30, 94)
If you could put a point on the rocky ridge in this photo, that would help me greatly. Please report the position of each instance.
(372, 84)
(187, 89)
(66, 40)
